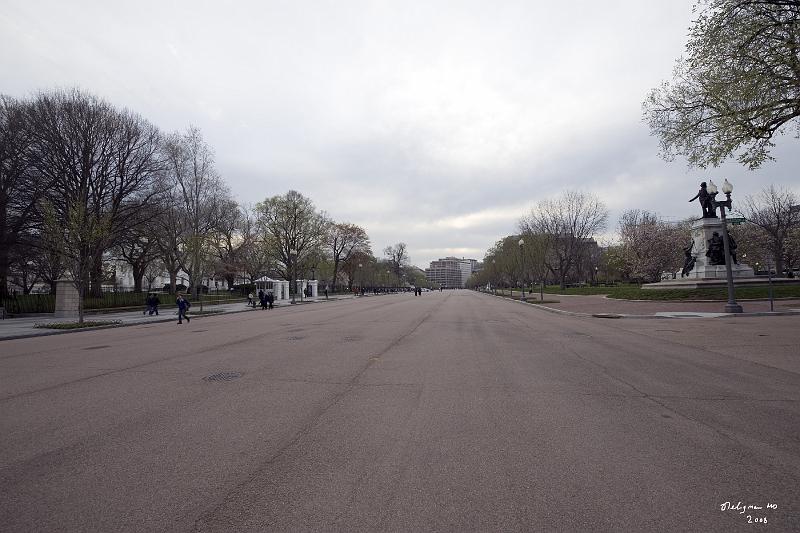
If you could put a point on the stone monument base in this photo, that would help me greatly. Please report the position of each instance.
(702, 231)
(67, 299)
(706, 275)
(689, 283)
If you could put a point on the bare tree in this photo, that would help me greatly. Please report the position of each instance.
(21, 186)
(566, 224)
(101, 164)
(294, 230)
(24, 270)
(775, 211)
(397, 256)
(200, 197)
(342, 240)
(255, 251)
(153, 271)
(138, 249)
(74, 238)
(228, 241)
(359, 268)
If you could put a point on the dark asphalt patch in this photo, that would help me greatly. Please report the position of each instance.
(223, 376)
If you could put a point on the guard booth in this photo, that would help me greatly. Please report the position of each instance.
(278, 287)
(308, 288)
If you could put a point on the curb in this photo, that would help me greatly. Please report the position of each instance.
(639, 317)
(47, 333)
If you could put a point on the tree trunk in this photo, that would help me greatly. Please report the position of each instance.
(138, 276)
(96, 280)
(230, 280)
(778, 257)
(81, 287)
(335, 273)
(173, 280)
(4, 267)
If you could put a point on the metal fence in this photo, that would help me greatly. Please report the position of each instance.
(21, 304)
(28, 303)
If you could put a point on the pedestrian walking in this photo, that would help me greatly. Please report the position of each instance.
(183, 307)
(262, 298)
(154, 303)
(250, 300)
(270, 299)
(148, 306)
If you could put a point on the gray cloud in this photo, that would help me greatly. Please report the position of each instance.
(435, 123)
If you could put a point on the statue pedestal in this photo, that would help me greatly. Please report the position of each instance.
(704, 274)
(702, 231)
(67, 299)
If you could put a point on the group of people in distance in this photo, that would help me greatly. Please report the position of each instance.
(266, 299)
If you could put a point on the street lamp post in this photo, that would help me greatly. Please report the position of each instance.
(727, 188)
(293, 259)
(522, 260)
(494, 277)
(361, 282)
(769, 276)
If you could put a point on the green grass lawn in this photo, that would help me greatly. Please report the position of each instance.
(77, 325)
(635, 292)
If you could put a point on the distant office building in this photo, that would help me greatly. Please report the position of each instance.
(451, 272)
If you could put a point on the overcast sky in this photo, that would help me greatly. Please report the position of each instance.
(435, 123)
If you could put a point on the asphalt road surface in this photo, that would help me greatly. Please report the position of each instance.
(450, 411)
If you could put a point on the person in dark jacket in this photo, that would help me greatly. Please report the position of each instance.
(154, 303)
(183, 307)
(270, 299)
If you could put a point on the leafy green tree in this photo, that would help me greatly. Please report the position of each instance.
(74, 234)
(737, 87)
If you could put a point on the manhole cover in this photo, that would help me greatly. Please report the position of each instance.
(223, 376)
(97, 347)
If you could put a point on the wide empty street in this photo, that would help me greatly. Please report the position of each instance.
(450, 411)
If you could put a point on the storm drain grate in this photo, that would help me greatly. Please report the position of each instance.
(223, 376)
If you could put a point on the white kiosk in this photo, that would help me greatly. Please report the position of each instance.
(302, 284)
(278, 287)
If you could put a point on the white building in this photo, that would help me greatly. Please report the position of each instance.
(451, 272)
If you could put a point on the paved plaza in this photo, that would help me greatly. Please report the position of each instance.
(451, 411)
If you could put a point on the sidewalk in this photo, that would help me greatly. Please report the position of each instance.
(16, 328)
(595, 305)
